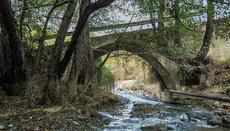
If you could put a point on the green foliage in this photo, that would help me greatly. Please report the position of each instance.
(105, 76)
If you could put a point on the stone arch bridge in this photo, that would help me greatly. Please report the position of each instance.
(162, 65)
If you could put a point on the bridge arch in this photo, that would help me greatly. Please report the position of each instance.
(165, 76)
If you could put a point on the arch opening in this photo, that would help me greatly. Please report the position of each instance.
(131, 73)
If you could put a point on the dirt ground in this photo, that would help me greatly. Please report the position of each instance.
(15, 115)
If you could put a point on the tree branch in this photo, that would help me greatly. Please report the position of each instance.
(78, 29)
(63, 28)
(44, 32)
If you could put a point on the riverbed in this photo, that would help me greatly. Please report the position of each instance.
(144, 113)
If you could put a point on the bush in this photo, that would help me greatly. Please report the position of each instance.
(105, 76)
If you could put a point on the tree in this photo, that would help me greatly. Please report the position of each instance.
(16, 72)
(79, 46)
(83, 64)
(58, 45)
(208, 32)
(72, 4)
(161, 41)
(77, 31)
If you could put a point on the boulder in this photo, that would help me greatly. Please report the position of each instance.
(215, 120)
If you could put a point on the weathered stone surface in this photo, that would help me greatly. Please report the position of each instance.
(166, 97)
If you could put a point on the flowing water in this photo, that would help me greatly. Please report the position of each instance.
(171, 117)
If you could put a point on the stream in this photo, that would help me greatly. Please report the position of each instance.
(161, 116)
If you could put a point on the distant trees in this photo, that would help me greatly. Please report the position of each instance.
(186, 17)
(162, 13)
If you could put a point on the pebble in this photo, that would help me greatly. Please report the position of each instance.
(76, 123)
(184, 117)
(2, 126)
(217, 103)
(37, 129)
(10, 125)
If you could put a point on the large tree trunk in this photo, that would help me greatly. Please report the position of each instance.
(5, 60)
(1, 51)
(2, 61)
(208, 32)
(57, 49)
(83, 63)
(53, 87)
(16, 73)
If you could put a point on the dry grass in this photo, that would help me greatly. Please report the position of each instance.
(97, 98)
(145, 88)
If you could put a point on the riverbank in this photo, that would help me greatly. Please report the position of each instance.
(16, 115)
(53, 118)
(56, 118)
(132, 112)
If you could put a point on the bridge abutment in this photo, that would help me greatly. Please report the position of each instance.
(166, 96)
